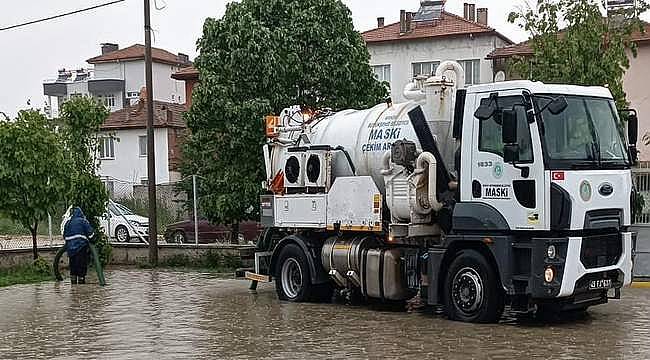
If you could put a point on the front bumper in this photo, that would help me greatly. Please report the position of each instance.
(579, 261)
(575, 276)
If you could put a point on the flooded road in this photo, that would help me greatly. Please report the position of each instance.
(168, 315)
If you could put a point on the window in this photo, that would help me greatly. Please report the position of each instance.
(107, 100)
(382, 73)
(472, 71)
(132, 95)
(142, 140)
(425, 68)
(106, 148)
(490, 130)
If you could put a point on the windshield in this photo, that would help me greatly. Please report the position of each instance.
(117, 208)
(587, 133)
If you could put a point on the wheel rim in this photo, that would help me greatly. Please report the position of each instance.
(467, 291)
(122, 235)
(291, 278)
(179, 238)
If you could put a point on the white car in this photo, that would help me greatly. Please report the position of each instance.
(121, 223)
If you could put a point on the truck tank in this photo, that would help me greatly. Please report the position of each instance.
(367, 135)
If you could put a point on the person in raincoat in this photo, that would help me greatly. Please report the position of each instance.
(77, 233)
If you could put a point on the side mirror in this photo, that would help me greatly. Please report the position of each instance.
(509, 136)
(509, 127)
(511, 153)
(485, 111)
(558, 105)
(633, 128)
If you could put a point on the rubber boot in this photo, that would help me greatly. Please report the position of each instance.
(73, 280)
(82, 280)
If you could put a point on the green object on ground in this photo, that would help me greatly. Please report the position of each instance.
(96, 261)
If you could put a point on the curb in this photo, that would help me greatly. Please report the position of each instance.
(640, 285)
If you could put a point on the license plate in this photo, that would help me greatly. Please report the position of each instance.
(600, 284)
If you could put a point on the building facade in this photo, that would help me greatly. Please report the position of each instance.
(189, 75)
(123, 146)
(117, 77)
(421, 41)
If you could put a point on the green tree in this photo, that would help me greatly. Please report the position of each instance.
(573, 43)
(33, 170)
(81, 119)
(263, 56)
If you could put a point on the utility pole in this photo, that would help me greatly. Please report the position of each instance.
(151, 156)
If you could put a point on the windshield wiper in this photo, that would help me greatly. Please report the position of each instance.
(584, 165)
(615, 164)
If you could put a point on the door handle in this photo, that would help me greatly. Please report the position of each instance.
(476, 189)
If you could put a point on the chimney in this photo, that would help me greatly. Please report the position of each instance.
(482, 16)
(472, 12)
(109, 48)
(402, 21)
(381, 22)
(409, 21)
(466, 11)
(183, 58)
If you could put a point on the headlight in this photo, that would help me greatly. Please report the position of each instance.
(551, 252)
(549, 274)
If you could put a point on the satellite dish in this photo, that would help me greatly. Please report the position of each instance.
(500, 76)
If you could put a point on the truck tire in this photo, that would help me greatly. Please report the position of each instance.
(293, 281)
(472, 289)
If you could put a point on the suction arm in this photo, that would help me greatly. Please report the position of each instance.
(455, 67)
(426, 161)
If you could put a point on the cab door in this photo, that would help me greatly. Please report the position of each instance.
(516, 191)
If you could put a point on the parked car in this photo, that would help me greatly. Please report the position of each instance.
(123, 224)
(183, 232)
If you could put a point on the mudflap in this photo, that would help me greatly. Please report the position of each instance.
(435, 257)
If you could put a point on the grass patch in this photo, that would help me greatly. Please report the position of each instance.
(212, 261)
(10, 227)
(38, 271)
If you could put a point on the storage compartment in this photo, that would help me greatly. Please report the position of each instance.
(384, 275)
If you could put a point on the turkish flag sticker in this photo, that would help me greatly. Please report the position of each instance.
(558, 176)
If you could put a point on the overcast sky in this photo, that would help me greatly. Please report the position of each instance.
(33, 53)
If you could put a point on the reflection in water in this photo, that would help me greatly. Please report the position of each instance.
(166, 315)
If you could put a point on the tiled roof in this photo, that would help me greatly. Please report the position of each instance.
(136, 52)
(449, 25)
(166, 115)
(521, 49)
(642, 36)
(524, 48)
(188, 73)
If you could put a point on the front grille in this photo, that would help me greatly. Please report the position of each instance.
(601, 250)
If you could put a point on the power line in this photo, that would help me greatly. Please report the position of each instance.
(60, 15)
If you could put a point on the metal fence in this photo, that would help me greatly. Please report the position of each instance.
(15, 242)
(179, 215)
(641, 177)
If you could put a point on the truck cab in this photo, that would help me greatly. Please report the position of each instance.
(547, 167)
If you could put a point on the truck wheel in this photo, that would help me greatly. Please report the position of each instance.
(472, 290)
(293, 281)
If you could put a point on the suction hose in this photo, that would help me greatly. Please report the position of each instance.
(95, 255)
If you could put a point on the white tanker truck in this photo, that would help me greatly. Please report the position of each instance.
(515, 193)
